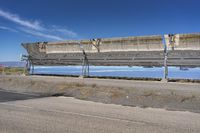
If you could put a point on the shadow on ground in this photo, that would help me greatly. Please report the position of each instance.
(6, 96)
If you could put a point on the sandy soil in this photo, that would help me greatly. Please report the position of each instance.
(171, 96)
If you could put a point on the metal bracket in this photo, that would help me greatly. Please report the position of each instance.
(96, 43)
(172, 40)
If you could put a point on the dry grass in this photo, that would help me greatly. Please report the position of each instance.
(116, 94)
(12, 71)
(186, 98)
(94, 86)
(78, 84)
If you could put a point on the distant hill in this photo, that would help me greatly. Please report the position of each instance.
(13, 64)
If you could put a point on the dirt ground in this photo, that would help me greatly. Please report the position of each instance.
(156, 94)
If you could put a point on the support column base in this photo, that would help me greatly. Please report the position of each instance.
(82, 76)
(164, 80)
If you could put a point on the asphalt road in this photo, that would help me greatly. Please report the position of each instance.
(68, 115)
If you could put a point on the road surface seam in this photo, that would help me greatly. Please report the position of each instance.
(80, 114)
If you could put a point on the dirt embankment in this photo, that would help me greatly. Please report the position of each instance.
(172, 96)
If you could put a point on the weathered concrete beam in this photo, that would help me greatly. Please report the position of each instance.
(132, 51)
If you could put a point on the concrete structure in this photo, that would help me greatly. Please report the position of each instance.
(179, 50)
(111, 51)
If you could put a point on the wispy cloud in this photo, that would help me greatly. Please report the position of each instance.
(40, 34)
(15, 18)
(8, 29)
(63, 31)
(35, 28)
(67, 32)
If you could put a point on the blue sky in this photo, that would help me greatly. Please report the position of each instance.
(54, 20)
